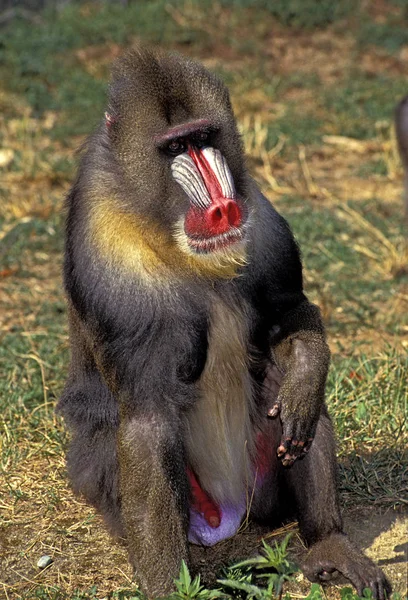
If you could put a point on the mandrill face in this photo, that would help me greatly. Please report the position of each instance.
(216, 218)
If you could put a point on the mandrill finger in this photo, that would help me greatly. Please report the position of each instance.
(381, 588)
(288, 460)
(292, 446)
(284, 445)
(359, 587)
(375, 590)
(289, 452)
(362, 583)
(296, 448)
(385, 585)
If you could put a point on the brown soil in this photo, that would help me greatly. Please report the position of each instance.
(85, 555)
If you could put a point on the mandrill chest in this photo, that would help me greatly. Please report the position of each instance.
(219, 432)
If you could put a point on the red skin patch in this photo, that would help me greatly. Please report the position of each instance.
(202, 503)
(263, 456)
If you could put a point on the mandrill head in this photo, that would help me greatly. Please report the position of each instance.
(176, 158)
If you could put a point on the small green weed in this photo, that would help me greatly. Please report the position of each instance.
(191, 589)
(53, 593)
(275, 569)
(315, 592)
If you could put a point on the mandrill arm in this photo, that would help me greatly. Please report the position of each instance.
(301, 353)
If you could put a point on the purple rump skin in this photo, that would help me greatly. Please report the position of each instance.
(203, 534)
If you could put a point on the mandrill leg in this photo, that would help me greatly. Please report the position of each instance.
(154, 490)
(312, 483)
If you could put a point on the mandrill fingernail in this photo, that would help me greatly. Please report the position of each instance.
(272, 412)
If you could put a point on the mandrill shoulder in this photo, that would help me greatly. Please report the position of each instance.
(273, 275)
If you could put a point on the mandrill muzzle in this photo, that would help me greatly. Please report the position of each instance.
(206, 179)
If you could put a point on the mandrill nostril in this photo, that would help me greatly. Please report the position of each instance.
(234, 214)
(217, 214)
(218, 217)
(224, 215)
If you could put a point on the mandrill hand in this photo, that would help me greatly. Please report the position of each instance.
(297, 435)
(297, 398)
(296, 377)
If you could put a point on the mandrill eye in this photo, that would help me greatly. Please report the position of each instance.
(201, 138)
(176, 147)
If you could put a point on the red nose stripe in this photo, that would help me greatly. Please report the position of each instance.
(209, 177)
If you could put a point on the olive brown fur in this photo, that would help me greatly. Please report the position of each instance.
(179, 354)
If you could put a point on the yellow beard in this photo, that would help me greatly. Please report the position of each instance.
(136, 245)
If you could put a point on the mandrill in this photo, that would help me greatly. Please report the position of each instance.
(401, 129)
(198, 365)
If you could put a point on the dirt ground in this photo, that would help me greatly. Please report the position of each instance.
(85, 555)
